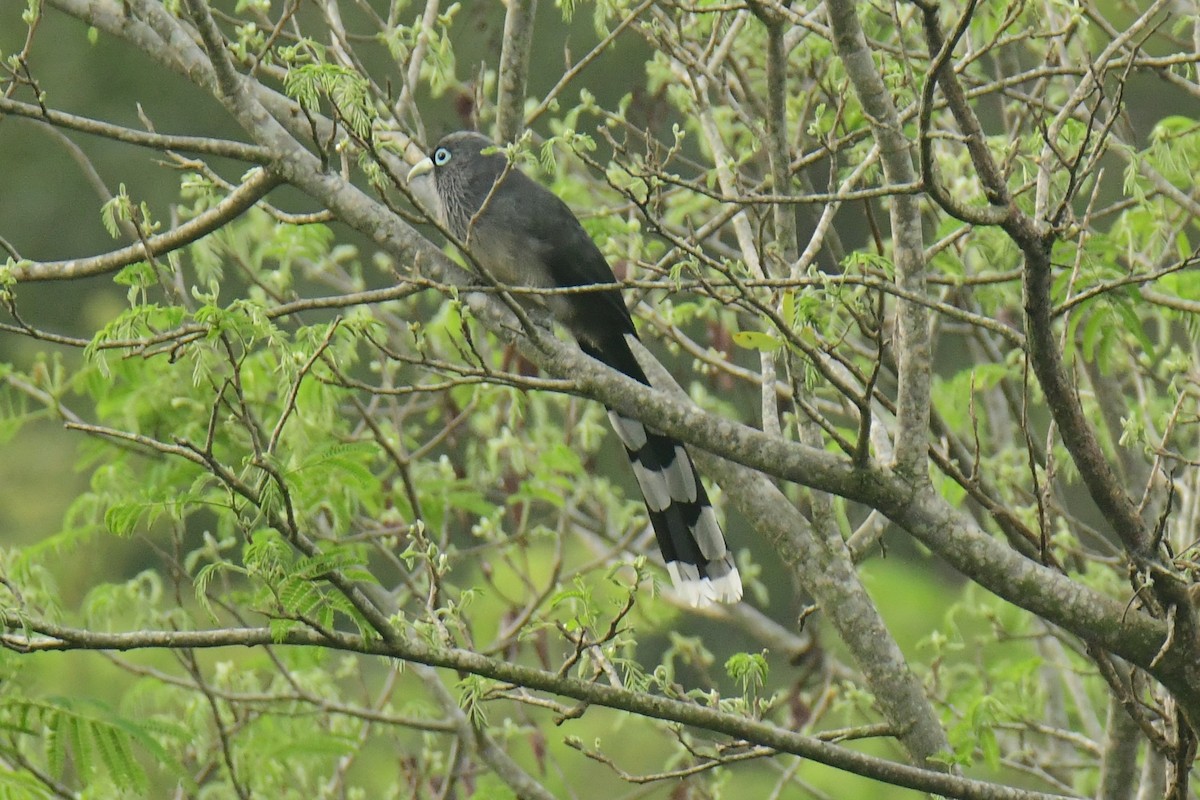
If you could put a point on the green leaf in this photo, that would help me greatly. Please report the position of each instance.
(756, 340)
(81, 750)
(117, 210)
(749, 670)
(472, 691)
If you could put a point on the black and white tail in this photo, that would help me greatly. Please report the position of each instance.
(701, 566)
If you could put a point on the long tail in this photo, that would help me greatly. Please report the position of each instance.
(698, 560)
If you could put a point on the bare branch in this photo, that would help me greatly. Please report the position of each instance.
(238, 202)
(187, 144)
(514, 69)
(913, 349)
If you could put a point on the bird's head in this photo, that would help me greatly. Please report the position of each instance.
(464, 167)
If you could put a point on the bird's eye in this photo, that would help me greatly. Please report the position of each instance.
(441, 156)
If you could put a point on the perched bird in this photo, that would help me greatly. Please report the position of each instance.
(525, 236)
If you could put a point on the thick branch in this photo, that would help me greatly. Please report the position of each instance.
(1098, 475)
(1077, 433)
(238, 202)
(783, 216)
(912, 320)
(514, 69)
(941, 72)
(1118, 768)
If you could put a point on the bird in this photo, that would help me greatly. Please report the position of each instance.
(523, 235)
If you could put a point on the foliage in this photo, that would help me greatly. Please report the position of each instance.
(335, 531)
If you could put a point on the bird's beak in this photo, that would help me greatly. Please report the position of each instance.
(420, 168)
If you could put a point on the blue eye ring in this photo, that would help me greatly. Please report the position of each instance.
(441, 156)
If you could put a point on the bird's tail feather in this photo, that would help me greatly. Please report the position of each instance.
(699, 562)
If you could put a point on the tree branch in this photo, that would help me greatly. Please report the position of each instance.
(514, 69)
(914, 370)
(920, 510)
(822, 564)
(52, 637)
(256, 187)
(1036, 242)
(202, 145)
(924, 514)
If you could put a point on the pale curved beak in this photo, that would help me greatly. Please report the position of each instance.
(423, 167)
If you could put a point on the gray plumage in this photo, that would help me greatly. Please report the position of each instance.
(525, 236)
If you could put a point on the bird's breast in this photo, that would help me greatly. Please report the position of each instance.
(510, 255)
